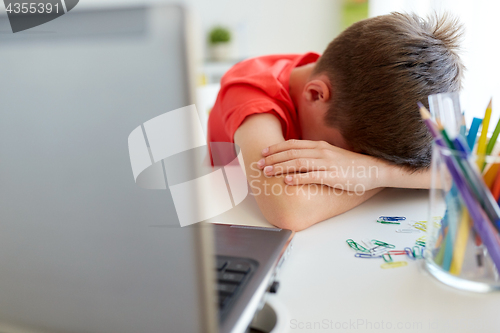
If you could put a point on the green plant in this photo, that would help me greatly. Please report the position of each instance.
(219, 35)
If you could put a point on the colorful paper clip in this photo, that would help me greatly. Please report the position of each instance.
(387, 257)
(387, 222)
(420, 225)
(369, 245)
(398, 253)
(379, 250)
(392, 218)
(436, 220)
(407, 231)
(366, 255)
(417, 255)
(356, 246)
(380, 243)
(422, 238)
(394, 264)
(421, 241)
(410, 253)
(374, 250)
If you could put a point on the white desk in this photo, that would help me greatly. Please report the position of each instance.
(324, 286)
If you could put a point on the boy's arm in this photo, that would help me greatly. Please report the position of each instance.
(401, 177)
(316, 162)
(285, 206)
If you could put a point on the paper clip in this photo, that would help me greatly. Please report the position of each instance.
(379, 250)
(410, 253)
(387, 257)
(420, 225)
(352, 244)
(380, 243)
(387, 222)
(436, 220)
(394, 264)
(356, 246)
(421, 241)
(368, 243)
(407, 231)
(366, 255)
(419, 255)
(392, 218)
(398, 252)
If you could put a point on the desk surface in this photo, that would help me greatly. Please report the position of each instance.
(325, 288)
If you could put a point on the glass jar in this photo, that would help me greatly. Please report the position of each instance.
(455, 254)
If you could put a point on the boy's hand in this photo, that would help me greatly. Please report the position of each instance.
(287, 207)
(318, 162)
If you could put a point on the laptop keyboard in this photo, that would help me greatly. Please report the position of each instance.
(232, 275)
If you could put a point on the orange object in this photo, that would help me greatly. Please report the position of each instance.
(490, 174)
(495, 190)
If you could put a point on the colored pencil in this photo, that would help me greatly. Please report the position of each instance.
(482, 224)
(460, 244)
(490, 173)
(494, 136)
(472, 135)
(463, 126)
(485, 197)
(449, 243)
(472, 179)
(481, 145)
(495, 190)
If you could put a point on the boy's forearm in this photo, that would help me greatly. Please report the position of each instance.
(299, 207)
(394, 176)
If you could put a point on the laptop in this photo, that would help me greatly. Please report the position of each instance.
(83, 248)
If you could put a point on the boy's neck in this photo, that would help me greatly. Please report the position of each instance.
(298, 79)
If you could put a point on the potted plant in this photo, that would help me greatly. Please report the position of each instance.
(219, 40)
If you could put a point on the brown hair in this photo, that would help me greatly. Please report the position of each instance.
(379, 68)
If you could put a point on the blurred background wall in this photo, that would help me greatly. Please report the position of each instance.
(259, 27)
(480, 48)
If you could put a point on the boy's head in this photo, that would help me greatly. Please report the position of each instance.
(377, 70)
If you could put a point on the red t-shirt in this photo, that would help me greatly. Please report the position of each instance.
(257, 85)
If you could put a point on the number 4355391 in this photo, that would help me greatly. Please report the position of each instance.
(32, 8)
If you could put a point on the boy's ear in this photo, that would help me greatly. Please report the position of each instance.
(318, 89)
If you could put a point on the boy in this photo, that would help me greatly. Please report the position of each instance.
(320, 135)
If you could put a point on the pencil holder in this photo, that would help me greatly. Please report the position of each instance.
(455, 253)
(463, 243)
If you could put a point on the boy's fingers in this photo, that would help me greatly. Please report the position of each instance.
(290, 144)
(313, 177)
(298, 157)
(294, 166)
